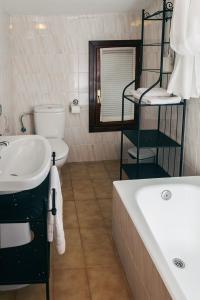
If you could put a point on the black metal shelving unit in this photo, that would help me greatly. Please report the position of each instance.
(168, 138)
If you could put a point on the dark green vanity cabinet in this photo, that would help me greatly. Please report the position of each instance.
(29, 263)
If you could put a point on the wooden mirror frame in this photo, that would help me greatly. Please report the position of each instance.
(95, 125)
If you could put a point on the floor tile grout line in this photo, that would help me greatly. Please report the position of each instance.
(106, 231)
(120, 263)
(104, 225)
(82, 248)
(97, 200)
(83, 252)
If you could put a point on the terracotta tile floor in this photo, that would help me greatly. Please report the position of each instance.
(90, 269)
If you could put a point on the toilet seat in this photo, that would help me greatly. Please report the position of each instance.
(59, 147)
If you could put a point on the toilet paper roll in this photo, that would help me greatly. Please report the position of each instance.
(75, 109)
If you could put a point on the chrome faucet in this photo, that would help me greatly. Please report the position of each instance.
(4, 143)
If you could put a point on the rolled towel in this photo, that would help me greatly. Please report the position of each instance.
(155, 92)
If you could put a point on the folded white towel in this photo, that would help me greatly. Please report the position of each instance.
(144, 153)
(160, 92)
(55, 223)
(156, 100)
(162, 100)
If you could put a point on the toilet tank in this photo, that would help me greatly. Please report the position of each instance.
(49, 120)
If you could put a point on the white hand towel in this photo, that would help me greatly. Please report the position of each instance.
(185, 80)
(144, 153)
(55, 223)
(161, 100)
(185, 41)
(158, 92)
(185, 34)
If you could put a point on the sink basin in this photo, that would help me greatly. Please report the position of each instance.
(24, 162)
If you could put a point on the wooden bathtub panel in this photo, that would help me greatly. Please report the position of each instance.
(143, 277)
(137, 287)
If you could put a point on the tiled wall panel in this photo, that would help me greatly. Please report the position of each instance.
(51, 66)
(5, 74)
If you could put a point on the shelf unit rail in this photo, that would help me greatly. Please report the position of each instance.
(158, 15)
(122, 126)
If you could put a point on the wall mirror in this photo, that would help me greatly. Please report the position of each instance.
(112, 65)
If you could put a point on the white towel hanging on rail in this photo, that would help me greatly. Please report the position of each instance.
(55, 223)
(185, 41)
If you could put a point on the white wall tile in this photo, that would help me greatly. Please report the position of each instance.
(83, 82)
(5, 75)
(51, 66)
(83, 63)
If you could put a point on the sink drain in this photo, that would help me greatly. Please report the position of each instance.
(179, 263)
(166, 195)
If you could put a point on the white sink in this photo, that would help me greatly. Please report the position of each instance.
(24, 162)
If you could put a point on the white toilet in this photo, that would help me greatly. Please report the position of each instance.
(50, 122)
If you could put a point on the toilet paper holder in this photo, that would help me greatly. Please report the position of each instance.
(75, 107)
(75, 102)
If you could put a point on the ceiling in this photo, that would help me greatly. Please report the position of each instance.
(72, 7)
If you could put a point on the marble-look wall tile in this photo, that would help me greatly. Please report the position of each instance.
(51, 66)
(5, 74)
(192, 128)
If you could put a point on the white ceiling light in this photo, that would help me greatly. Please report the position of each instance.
(41, 26)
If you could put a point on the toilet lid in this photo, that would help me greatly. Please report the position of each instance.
(49, 108)
(59, 147)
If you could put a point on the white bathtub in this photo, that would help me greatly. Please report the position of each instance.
(169, 228)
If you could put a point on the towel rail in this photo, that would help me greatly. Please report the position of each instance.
(53, 210)
(54, 158)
